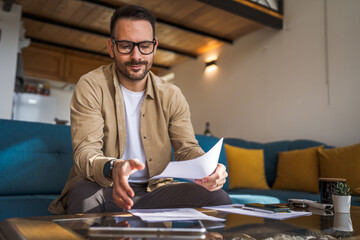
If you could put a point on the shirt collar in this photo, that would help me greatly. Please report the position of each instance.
(149, 89)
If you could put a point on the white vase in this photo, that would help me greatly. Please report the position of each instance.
(341, 203)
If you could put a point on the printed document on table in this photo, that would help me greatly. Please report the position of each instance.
(196, 168)
(237, 209)
(171, 214)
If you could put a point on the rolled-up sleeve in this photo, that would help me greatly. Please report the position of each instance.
(87, 126)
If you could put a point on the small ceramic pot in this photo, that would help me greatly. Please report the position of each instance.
(341, 203)
(343, 222)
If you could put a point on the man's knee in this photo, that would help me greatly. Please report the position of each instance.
(195, 195)
(210, 198)
(85, 197)
(219, 197)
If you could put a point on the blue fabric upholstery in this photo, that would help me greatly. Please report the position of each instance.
(25, 205)
(248, 195)
(206, 143)
(35, 160)
(282, 196)
(250, 198)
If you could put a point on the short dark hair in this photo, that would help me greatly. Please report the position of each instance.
(132, 12)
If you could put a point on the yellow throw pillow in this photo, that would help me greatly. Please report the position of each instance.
(298, 170)
(246, 168)
(342, 162)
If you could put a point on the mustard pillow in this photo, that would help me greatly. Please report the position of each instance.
(342, 162)
(298, 170)
(246, 168)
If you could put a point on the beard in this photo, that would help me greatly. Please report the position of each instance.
(135, 75)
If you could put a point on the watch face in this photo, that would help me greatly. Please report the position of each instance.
(106, 170)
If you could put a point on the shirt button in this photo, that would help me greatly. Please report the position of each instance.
(145, 137)
(143, 115)
(150, 159)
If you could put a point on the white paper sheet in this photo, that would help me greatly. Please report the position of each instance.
(171, 214)
(236, 208)
(196, 168)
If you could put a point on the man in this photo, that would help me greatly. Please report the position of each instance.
(124, 121)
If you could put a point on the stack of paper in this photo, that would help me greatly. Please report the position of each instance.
(237, 209)
(171, 214)
(196, 168)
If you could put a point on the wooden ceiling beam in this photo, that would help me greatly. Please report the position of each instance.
(251, 10)
(177, 25)
(62, 24)
(95, 32)
(83, 50)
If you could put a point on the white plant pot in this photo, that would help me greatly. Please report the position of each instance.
(343, 222)
(341, 203)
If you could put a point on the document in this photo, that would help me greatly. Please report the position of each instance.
(241, 209)
(171, 214)
(196, 168)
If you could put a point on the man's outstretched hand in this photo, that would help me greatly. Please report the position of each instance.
(122, 192)
(216, 180)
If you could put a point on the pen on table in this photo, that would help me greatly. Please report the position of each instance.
(254, 209)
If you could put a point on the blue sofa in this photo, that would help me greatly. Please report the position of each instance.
(35, 161)
(36, 158)
(271, 149)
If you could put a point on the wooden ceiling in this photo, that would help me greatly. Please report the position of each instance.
(185, 28)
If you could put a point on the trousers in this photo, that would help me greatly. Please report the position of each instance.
(89, 197)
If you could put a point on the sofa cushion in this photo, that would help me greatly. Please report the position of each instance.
(246, 168)
(35, 158)
(244, 195)
(271, 150)
(282, 196)
(206, 143)
(298, 170)
(342, 162)
(250, 198)
(25, 205)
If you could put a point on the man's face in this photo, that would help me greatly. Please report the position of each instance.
(133, 66)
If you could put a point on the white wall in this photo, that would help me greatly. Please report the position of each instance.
(63, 99)
(272, 84)
(10, 30)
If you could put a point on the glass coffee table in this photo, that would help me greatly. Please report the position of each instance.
(320, 225)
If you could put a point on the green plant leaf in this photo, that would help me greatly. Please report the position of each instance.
(342, 189)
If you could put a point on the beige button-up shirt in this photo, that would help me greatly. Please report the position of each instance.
(99, 133)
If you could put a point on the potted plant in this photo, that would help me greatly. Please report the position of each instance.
(341, 197)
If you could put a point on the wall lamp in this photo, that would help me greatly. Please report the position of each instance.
(210, 66)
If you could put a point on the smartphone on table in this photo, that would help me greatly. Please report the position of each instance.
(269, 207)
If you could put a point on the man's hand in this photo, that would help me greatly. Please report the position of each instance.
(216, 180)
(122, 192)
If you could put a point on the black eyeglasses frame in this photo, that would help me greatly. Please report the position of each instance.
(115, 42)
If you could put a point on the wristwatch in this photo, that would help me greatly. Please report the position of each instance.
(109, 165)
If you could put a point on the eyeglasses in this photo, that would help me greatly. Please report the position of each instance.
(126, 47)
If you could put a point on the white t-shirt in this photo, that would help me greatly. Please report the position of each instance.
(134, 147)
